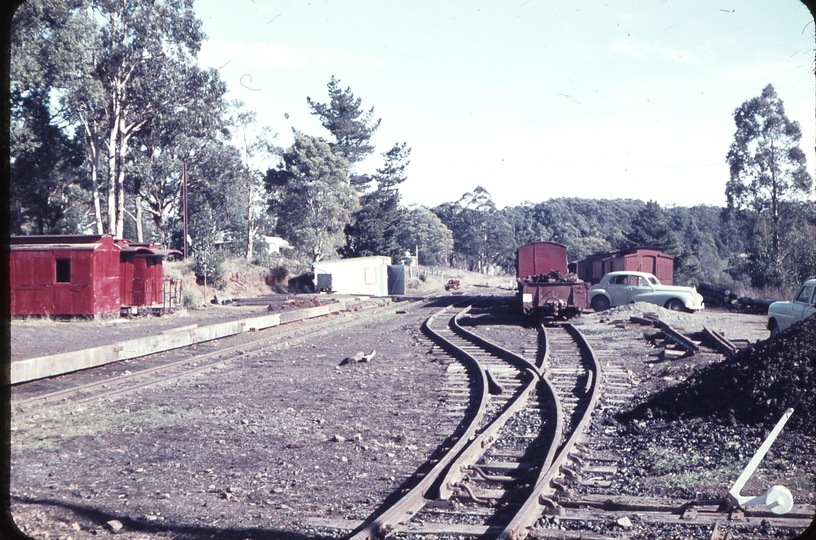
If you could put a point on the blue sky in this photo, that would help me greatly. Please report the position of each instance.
(532, 99)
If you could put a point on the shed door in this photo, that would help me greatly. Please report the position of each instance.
(324, 282)
(396, 279)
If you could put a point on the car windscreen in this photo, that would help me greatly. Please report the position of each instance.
(805, 294)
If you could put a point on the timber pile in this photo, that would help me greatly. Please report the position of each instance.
(717, 296)
(720, 296)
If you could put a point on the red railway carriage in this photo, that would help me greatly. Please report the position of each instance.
(64, 275)
(545, 288)
(83, 275)
(642, 259)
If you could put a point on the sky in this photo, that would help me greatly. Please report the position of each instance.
(530, 99)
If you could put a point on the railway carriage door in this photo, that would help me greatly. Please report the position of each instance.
(33, 277)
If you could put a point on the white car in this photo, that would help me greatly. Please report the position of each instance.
(782, 315)
(625, 287)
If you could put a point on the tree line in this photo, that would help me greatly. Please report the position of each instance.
(116, 129)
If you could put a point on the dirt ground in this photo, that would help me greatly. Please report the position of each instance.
(266, 446)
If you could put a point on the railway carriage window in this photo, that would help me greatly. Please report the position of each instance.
(63, 270)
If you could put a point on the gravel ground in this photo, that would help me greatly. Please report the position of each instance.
(268, 444)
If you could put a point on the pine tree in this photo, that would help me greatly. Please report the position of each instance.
(375, 226)
(350, 126)
(650, 229)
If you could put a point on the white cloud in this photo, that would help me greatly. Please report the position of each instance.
(278, 56)
(636, 48)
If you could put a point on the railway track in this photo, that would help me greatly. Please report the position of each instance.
(522, 419)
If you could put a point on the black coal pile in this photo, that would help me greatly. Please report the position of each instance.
(754, 387)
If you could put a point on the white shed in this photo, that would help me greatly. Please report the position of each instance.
(358, 275)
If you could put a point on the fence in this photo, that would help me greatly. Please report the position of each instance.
(172, 293)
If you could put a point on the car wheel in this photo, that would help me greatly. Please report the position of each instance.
(774, 328)
(675, 305)
(600, 303)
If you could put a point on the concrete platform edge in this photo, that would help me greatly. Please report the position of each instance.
(30, 369)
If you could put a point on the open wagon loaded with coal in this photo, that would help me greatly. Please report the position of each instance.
(546, 289)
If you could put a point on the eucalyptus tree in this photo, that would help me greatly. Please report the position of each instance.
(421, 230)
(257, 148)
(130, 77)
(165, 146)
(349, 124)
(482, 237)
(768, 181)
(311, 197)
(45, 52)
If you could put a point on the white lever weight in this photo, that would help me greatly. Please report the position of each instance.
(778, 499)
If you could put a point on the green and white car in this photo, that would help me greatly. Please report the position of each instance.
(625, 287)
(782, 315)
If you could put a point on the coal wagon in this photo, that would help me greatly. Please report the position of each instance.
(546, 288)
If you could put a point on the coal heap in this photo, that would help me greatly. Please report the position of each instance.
(754, 387)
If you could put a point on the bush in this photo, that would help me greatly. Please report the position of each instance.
(191, 299)
(277, 275)
(209, 268)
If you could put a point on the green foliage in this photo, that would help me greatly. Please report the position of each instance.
(209, 264)
(564, 220)
(650, 229)
(190, 299)
(44, 185)
(312, 198)
(482, 238)
(584, 246)
(375, 227)
(420, 229)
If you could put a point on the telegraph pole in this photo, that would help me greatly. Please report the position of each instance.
(184, 196)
